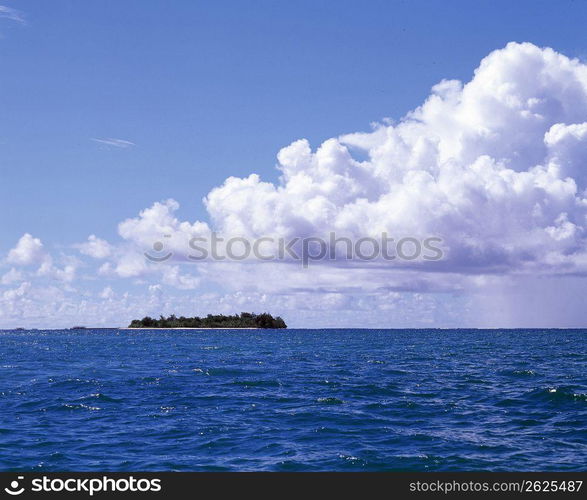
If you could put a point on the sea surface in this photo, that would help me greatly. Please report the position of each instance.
(293, 400)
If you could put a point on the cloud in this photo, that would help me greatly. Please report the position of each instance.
(33, 305)
(95, 247)
(496, 167)
(157, 222)
(12, 14)
(49, 270)
(115, 143)
(12, 276)
(107, 293)
(27, 251)
(30, 252)
(172, 276)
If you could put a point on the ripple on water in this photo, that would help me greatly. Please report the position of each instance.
(518, 373)
(257, 383)
(330, 401)
(102, 398)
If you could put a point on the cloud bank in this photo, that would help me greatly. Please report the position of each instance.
(495, 166)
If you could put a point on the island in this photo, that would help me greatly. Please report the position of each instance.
(244, 320)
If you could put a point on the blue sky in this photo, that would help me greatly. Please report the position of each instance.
(211, 89)
(201, 91)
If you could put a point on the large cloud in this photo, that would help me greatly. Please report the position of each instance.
(496, 167)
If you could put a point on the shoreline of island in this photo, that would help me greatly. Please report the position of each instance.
(194, 328)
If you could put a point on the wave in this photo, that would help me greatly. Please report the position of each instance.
(557, 395)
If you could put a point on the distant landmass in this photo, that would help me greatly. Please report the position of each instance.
(244, 320)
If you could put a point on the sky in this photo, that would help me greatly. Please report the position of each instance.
(126, 123)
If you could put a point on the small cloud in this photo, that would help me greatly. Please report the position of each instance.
(95, 247)
(115, 143)
(12, 14)
(27, 251)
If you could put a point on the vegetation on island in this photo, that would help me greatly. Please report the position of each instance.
(244, 320)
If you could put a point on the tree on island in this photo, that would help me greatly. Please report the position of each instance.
(244, 320)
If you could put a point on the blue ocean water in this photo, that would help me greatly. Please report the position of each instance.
(293, 400)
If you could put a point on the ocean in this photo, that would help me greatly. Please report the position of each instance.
(293, 400)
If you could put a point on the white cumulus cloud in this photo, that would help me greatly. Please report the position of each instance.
(28, 250)
(95, 247)
(496, 167)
